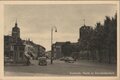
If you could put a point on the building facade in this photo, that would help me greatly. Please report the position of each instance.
(64, 49)
(13, 46)
(57, 50)
(18, 50)
(33, 50)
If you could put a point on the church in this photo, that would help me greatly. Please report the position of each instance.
(13, 46)
(18, 50)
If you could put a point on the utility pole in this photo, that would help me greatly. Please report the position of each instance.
(52, 42)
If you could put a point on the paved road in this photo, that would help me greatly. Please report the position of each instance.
(61, 68)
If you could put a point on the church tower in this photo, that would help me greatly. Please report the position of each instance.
(16, 31)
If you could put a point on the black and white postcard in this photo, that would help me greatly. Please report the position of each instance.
(59, 40)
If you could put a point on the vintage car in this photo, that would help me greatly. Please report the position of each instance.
(42, 61)
(69, 59)
(62, 59)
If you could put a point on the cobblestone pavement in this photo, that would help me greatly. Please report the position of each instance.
(61, 68)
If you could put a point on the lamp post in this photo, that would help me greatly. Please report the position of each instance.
(53, 28)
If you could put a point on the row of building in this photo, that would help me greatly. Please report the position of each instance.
(75, 50)
(63, 49)
(18, 50)
(83, 48)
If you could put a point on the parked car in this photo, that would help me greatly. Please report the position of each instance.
(42, 61)
(62, 59)
(69, 59)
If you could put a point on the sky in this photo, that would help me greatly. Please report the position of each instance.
(35, 21)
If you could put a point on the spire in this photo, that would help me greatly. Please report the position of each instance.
(16, 23)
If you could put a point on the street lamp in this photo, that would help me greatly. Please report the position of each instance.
(52, 42)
